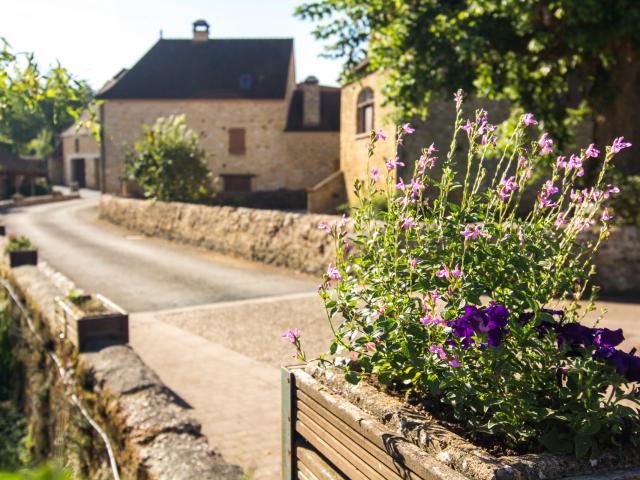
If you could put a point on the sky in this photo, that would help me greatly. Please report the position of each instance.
(94, 39)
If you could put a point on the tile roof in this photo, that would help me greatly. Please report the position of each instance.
(329, 111)
(214, 68)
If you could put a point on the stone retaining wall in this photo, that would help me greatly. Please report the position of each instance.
(285, 239)
(293, 240)
(151, 432)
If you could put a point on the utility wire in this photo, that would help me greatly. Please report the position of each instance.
(66, 379)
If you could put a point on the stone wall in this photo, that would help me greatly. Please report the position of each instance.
(291, 240)
(150, 431)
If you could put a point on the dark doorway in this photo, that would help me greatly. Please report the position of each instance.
(78, 172)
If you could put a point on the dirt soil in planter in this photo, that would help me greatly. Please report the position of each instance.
(92, 306)
(480, 457)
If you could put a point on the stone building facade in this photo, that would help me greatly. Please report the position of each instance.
(81, 156)
(260, 130)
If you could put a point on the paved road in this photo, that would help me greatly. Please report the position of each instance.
(138, 273)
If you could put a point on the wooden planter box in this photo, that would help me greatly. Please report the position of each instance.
(18, 258)
(332, 430)
(89, 331)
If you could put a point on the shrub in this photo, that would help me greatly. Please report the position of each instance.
(456, 299)
(21, 243)
(169, 164)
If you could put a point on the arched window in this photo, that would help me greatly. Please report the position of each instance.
(365, 111)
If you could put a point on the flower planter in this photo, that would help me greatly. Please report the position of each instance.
(334, 430)
(18, 258)
(87, 330)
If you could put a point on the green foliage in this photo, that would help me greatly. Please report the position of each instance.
(18, 244)
(450, 294)
(35, 106)
(558, 58)
(45, 472)
(169, 164)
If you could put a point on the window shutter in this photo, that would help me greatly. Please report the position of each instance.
(236, 141)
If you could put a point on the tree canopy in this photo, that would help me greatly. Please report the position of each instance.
(168, 164)
(36, 105)
(562, 59)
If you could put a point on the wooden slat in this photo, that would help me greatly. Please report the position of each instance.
(304, 471)
(316, 465)
(363, 449)
(399, 448)
(354, 457)
(323, 447)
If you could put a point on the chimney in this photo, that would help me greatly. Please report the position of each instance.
(200, 30)
(311, 102)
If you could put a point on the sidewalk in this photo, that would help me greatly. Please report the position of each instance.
(236, 398)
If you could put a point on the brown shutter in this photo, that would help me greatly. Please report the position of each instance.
(236, 141)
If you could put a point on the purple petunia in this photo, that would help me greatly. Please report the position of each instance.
(529, 119)
(491, 320)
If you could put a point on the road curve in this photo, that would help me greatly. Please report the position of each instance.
(139, 273)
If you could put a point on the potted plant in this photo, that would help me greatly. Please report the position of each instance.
(90, 321)
(459, 321)
(21, 252)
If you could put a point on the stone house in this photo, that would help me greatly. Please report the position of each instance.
(262, 132)
(80, 156)
(362, 109)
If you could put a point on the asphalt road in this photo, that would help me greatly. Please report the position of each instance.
(139, 273)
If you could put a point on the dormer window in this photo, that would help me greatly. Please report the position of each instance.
(365, 111)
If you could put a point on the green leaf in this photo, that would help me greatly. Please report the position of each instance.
(352, 378)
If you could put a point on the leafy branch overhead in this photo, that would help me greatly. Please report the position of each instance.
(562, 58)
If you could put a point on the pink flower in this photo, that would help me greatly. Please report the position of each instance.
(292, 335)
(407, 222)
(574, 162)
(561, 162)
(560, 220)
(454, 362)
(375, 174)
(414, 263)
(408, 129)
(467, 127)
(521, 237)
(439, 351)
(334, 273)
(457, 97)
(400, 185)
(610, 189)
(474, 232)
(592, 151)
(546, 144)
(353, 355)
(523, 162)
(370, 346)
(434, 294)
(529, 119)
(424, 162)
(507, 187)
(324, 226)
(443, 272)
(379, 136)
(619, 144)
(391, 164)
(456, 272)
(431, 150)
(605, 215)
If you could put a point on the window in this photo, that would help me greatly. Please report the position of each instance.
(236, 141)
(365, 111)
(77, 144)
(236, 183)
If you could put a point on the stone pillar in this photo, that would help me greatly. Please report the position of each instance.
(311, 102)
